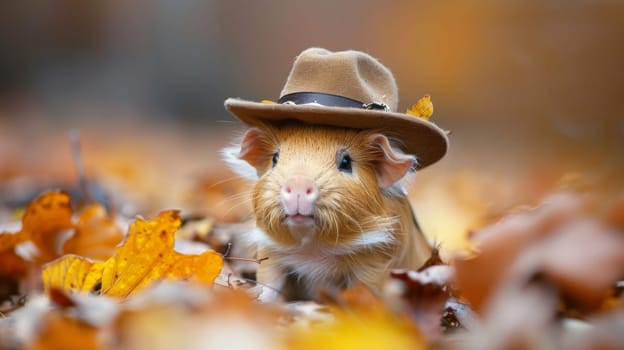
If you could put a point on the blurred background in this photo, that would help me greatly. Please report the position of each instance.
(532, 92)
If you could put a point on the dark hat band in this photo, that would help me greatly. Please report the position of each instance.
(329, 100)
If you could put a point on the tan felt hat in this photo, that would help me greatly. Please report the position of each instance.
(346, 89)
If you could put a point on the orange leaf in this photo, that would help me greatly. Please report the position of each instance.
(96, 236)
(8, 240)
(43, 223)
(146, 256)
(45, 219)
(12, 265)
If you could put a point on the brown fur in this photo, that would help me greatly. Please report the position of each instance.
(329, 256)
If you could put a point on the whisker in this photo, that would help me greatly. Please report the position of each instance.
(233, 197)
(226, 180)
(234, 206)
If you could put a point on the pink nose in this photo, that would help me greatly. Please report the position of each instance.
(299, 193)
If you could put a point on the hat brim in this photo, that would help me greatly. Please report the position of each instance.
(421, 138)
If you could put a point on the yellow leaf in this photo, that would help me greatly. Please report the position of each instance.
(145, 257)
(364, 331)
(71, 273)
(422, 109)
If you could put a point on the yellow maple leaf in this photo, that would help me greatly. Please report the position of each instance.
(146, 256)
(422, 109)
(72, 273)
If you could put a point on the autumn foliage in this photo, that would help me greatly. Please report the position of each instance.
(531, 276)
(82, 275)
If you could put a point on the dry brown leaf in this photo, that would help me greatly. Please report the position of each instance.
(423, 295)
(557, 241)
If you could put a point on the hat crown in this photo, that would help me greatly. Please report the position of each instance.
(352, 74)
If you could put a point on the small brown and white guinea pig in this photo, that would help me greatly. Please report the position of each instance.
(330, 207)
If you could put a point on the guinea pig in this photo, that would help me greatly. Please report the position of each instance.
(330, 206)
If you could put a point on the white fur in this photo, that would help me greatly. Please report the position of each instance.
(239, 166)
(257, 236)
(373, 238)
(311, 250)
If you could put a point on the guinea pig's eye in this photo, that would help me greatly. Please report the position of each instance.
(344, 163)
(275, 158)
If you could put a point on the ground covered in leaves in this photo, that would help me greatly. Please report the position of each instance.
(83, 269)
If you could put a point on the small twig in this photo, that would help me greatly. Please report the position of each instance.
(257, 261)
(228, 280)
(74, 138)
(227, 250)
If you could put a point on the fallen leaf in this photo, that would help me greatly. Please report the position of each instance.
(361, 321)
(352, 330)
(423, 296)
(96, 235)
(8, 240)
(45, 218)
(146, 256)
(584, 259)
(515, 318)
(559, 242)
(72, 273)
(12, 265)
(43, 223)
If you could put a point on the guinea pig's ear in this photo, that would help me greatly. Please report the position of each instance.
(251, 149)
(248, 157)
(393, 166)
